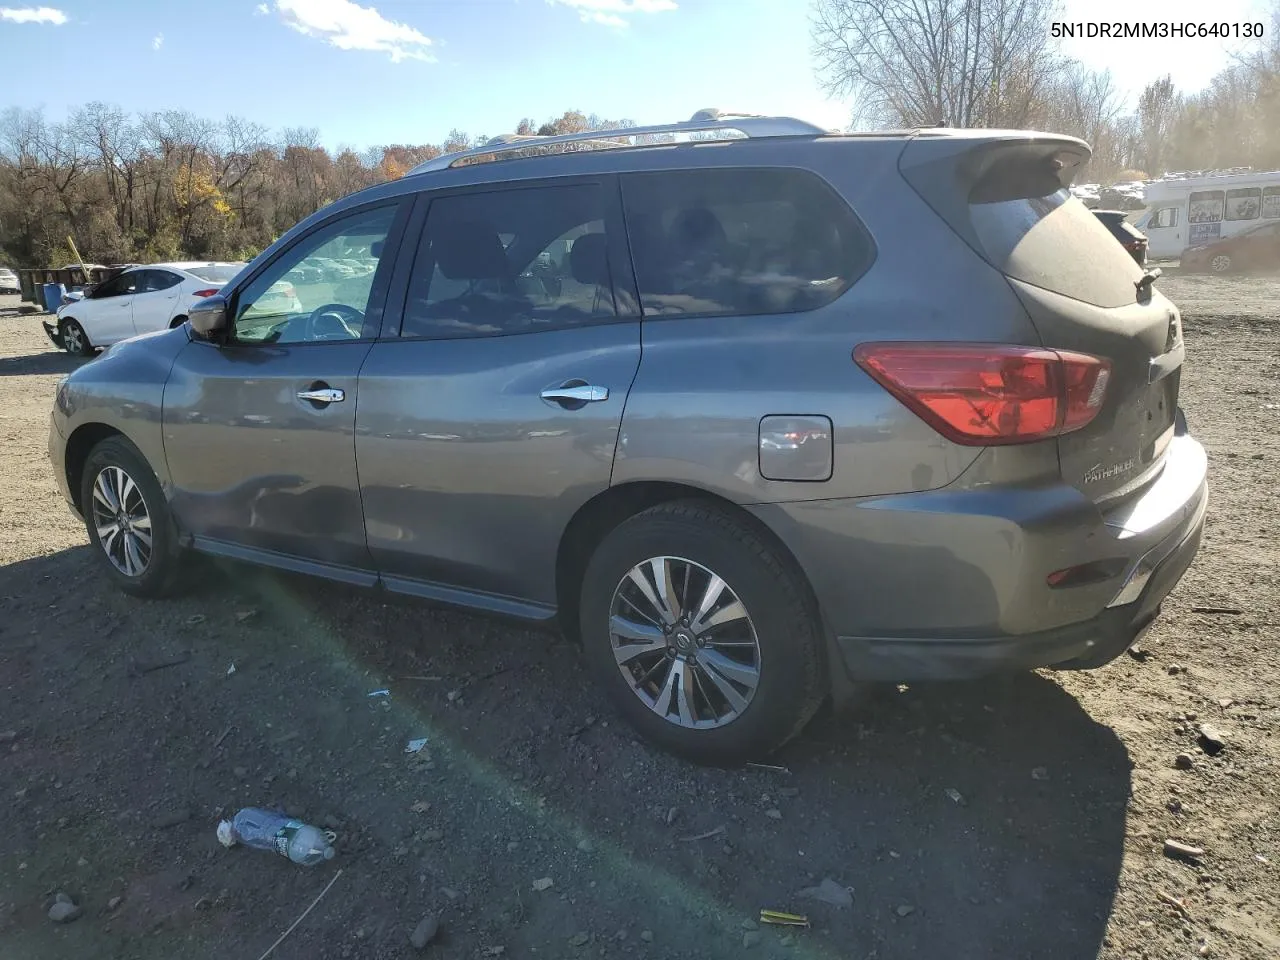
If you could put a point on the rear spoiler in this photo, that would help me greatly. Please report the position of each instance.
(952, 172)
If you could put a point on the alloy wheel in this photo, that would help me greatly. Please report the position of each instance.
(122, 521)
(1221, 263)
(72, 338)
(684, 642)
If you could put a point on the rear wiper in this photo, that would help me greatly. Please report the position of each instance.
(1148, 278)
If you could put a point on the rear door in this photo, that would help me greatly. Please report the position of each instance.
(1080, 288)
(493, 415)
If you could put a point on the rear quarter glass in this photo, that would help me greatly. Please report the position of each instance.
(1056, 243)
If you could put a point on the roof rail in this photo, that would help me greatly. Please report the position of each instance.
(748, 125)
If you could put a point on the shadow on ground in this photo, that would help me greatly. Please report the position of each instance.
(52, 361)
(977, 820)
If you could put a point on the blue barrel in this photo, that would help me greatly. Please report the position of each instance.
(53, 296)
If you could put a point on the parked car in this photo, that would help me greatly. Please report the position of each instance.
(743, 454)
(1129, 236)
(8, 281)
(1254, 249)
(137, 300)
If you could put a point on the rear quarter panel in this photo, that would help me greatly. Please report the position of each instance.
(704, 384)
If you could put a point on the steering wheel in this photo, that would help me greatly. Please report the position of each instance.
(334, 321)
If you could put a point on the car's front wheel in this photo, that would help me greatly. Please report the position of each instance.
(128, 520)
(705, 638)
(74, 340)
(1220, 264)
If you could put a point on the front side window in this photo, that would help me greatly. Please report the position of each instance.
(1244, 204)
(512, 261)
(1164, 217)
(291, 303)
(740, 241)
(118, 286)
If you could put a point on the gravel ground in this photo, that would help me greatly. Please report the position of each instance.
(1019, 817)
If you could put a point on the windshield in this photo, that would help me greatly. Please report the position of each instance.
(216, 272)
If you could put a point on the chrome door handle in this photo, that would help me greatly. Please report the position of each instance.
(327, 395)
(586, 393)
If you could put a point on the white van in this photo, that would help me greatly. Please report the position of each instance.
(1192, 211)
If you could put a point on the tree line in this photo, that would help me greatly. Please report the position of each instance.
(170, 185)
(994, 63)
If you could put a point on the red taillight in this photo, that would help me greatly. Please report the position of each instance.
(987, 394)
(201, 294)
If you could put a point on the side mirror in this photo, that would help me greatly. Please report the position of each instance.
(209, 316)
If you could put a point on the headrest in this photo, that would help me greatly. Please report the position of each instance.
(470, 250)
(589, 259)
(697, 229)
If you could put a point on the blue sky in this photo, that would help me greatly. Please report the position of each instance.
(410, 70)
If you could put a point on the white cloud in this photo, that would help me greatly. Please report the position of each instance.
(157, 41)
(261, 10)
(349, 26)
(33, 15)
(614, 13)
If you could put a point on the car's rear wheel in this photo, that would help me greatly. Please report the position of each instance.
(74, 340)
(703, 635)
(128, 520)
(1220, 263)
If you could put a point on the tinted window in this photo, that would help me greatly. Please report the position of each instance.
(287, 303)
(154, 281)
(216, 272)
(1055, 242)
(740, 241)
(511, 261)
(119, 285)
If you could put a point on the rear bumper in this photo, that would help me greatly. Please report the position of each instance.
(1078, 646)
(952, 584)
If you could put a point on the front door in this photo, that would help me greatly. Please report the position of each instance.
(1164, 230)
(494, 415)
(156, 300)
(259, 431)
(108, 314)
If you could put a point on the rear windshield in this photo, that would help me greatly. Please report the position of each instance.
(1056, 242)
(216, 272)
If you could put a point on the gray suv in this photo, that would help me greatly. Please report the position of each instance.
(752, 416)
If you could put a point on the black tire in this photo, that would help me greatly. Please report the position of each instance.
(177, 322)
(72, 327)
(792, 669)
(166, 561)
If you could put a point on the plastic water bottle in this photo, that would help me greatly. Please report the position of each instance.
(266, 830)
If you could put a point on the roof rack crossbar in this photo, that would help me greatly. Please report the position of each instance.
(746, 124)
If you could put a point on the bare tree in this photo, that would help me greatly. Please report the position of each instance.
(958, 63)
(1158, 109)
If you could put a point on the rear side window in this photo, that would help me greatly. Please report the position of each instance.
(740, 241)
(1055, 242)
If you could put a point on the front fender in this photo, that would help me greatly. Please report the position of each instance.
(122, 390)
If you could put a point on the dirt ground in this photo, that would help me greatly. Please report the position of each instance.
(1019, 817)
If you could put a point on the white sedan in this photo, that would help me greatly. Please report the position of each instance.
(137, 300)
